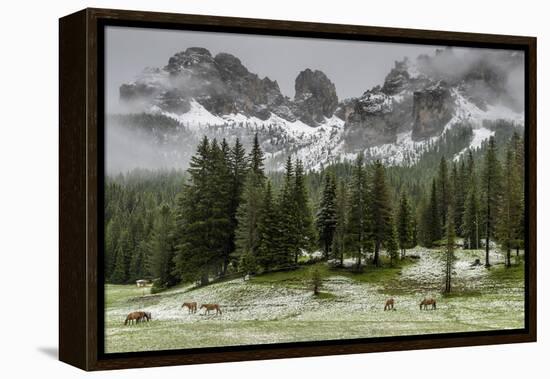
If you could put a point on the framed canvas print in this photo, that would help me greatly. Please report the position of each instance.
(238, 189)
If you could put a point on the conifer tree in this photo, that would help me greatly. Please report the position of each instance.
(120, 270)
(220, 190)
(517, 145)
(357, 234)
(162, 249)
(268, 256)
(138, 262)
(304, 221)
(392, 244)
(510, 212)
(238, 166)
(112, 236)
(248, 215)
(198, 253)
(430, 218)
(339, 241)
(449, 249)
(404, 224)
(380, 210)
(287, 212)
(443, 193)
(256, 159)
(471, 225)
(326, 217)
(459, 196)
(491, 192)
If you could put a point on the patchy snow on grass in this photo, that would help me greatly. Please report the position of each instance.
(285, 310)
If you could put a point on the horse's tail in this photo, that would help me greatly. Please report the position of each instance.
(126, 321)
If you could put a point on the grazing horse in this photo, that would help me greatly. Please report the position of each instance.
(389, 304)
(211, 307)
(424, 303)
(135, 317)
(191, 307)
(146, 317)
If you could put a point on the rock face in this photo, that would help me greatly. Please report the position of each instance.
(376, 119)
(221, 84)
(432, 110)
(416, 101)
(315, 97)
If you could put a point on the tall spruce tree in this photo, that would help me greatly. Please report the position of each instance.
(202, 221)
(326, 216)
(459, 196)
(339, 241)
(112, 235)
(287, 212)
(449, 248)
(305, 231)
(238, 166)
(491, 193)
(471, 218)
(358, 229)
(517, 145)
(220, 191)
(256, 160)
(248, 215)
(162, 249)
(431, 227)
(443, 193)
(510, 212)
(268, 256)
(470, 225)
(379, 209)
(247, 235)
(120, 270)
(404, 224)
(392, 243)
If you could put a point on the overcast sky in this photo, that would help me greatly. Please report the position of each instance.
(353, 66)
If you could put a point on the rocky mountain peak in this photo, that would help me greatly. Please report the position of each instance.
(433, 108)
(315, 96)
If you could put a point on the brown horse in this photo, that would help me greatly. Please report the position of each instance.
(134, 317)
(211, 307)
(191, 307)
(428, 301)
(389, 305)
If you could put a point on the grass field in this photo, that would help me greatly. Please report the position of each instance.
(280, 307)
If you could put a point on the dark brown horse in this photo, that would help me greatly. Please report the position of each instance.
(191, 307)
(211, 307)
(389, 304)
(146, 317)
(426, 302)
(134, 317)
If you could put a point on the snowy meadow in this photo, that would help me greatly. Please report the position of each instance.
(280, 307)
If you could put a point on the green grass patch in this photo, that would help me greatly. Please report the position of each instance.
(501, 273)
(371, 274)
(325, 296)
(117, 294)
(456, 294)
(291, 277)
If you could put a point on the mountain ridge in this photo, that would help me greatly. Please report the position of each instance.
(416, 104)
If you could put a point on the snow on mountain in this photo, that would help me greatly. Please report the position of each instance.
(396, 122)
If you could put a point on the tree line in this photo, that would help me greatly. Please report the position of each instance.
(226, 214)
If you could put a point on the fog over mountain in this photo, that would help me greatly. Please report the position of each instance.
(161, 114)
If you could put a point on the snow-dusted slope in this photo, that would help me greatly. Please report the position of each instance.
(324, 144)
(396, 122)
